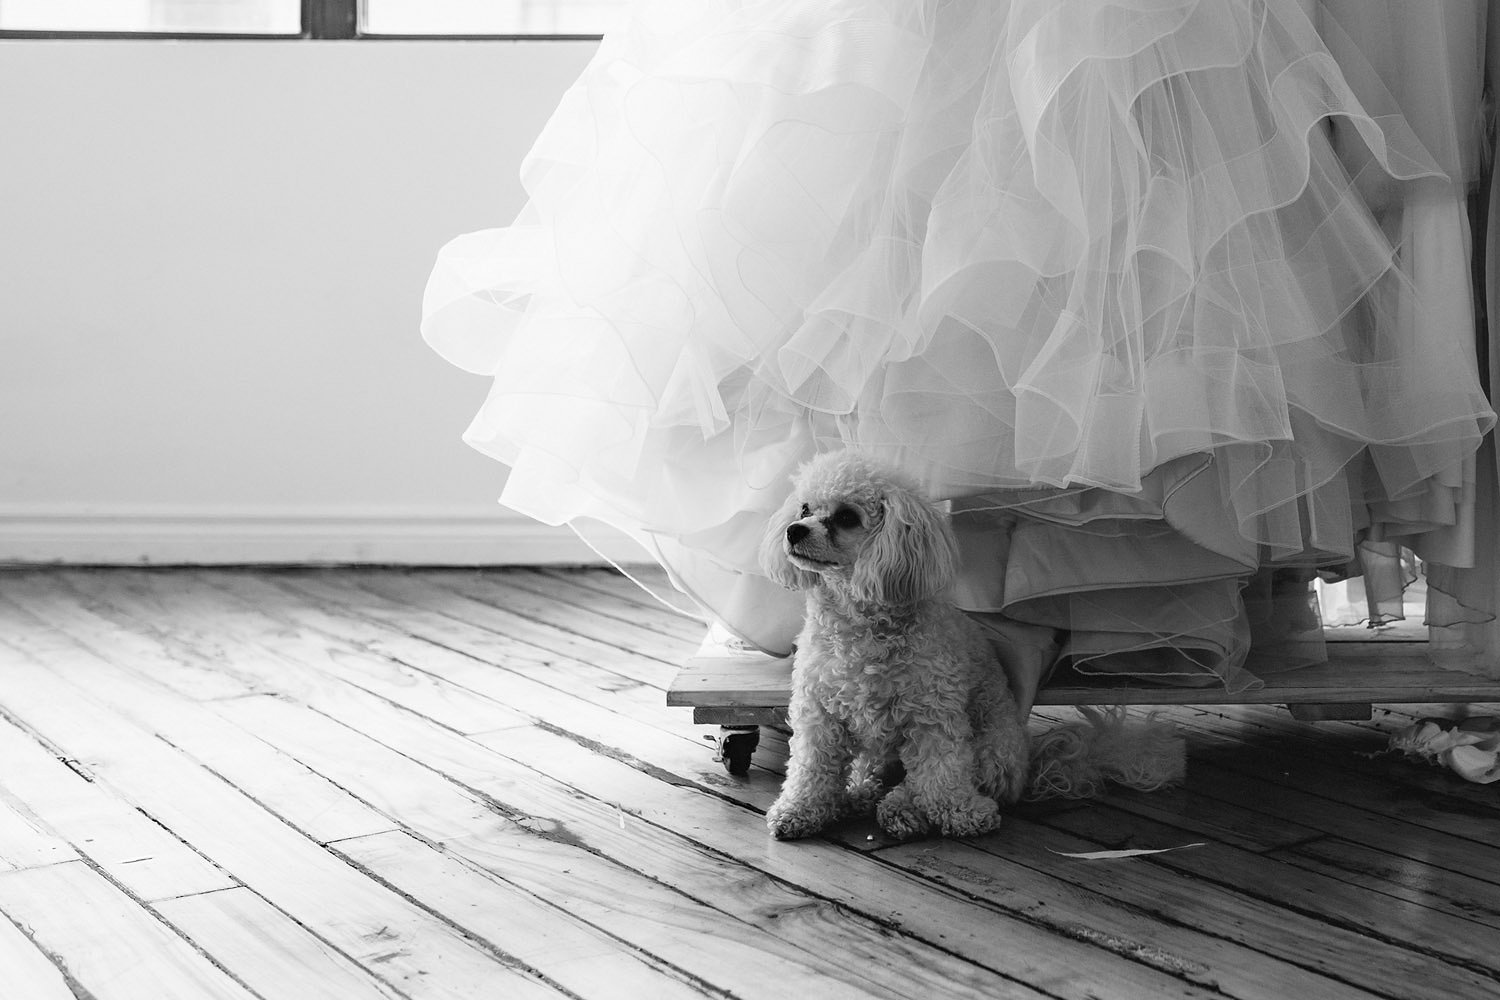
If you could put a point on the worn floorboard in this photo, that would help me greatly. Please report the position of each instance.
(390, 783)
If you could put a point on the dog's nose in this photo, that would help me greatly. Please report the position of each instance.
(796, 532)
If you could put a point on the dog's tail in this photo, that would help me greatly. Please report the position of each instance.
(1076, 760)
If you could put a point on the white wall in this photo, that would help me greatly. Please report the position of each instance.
(212, 257)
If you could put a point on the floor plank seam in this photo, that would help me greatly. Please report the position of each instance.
(645, 767)
(645, 601)
(271, 810)
(577, 583)
(406, 740)
(44, 864)
(251, 796)
(1306, 966)
(539, 827)
(238, 886)
(1480, 916)
(444, 681)
(1247, 770)
(79, 991)
(1477, 968)
(873, 919)
(684, 975)
(674, 661)
(77, 767)
(458, 649)
(400, 706)
(521, 819)
(1295, 844)
(887, 925)
(52, 749)
(972, 898)
(333, 947)
(559, 650)
(151, 818)
(1142, 954)
(161, 919)
(504, 958)
(1460, 796)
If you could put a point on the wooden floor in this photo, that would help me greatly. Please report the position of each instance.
(385, 783)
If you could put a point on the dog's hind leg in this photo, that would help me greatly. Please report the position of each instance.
(939, 791)
(1001, 756)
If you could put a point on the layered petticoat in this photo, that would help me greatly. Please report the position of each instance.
(1169, 301)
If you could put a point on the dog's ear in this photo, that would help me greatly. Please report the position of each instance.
(773, 561)
(911, 555)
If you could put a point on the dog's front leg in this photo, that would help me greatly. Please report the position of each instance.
(939, 789)
(812, 796)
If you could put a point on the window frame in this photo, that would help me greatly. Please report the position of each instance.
(322, 20)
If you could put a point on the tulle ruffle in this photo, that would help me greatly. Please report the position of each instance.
(1130, 278)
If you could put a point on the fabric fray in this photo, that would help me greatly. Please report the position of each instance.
(1470, 748)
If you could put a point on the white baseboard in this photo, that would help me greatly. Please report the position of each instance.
(170, 535)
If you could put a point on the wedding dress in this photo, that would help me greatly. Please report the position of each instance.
(1167, 299)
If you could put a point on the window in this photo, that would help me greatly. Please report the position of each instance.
(247, 17)
(490, 17)
(311, 18)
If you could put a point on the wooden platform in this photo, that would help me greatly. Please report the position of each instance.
(755, 689)
(361, 784)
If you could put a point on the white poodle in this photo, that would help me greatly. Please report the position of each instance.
(886, 666)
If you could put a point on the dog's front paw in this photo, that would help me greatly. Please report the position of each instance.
(973, 819)
(861, 798)
(792, 820)
(899, 816)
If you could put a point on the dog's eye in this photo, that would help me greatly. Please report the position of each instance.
(846, 517)
(806, 511)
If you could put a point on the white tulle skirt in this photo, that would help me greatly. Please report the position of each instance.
(1170, 298)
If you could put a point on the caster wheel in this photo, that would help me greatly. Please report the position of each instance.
(736, 745)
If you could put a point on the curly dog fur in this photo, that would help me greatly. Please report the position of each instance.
(886, 667)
